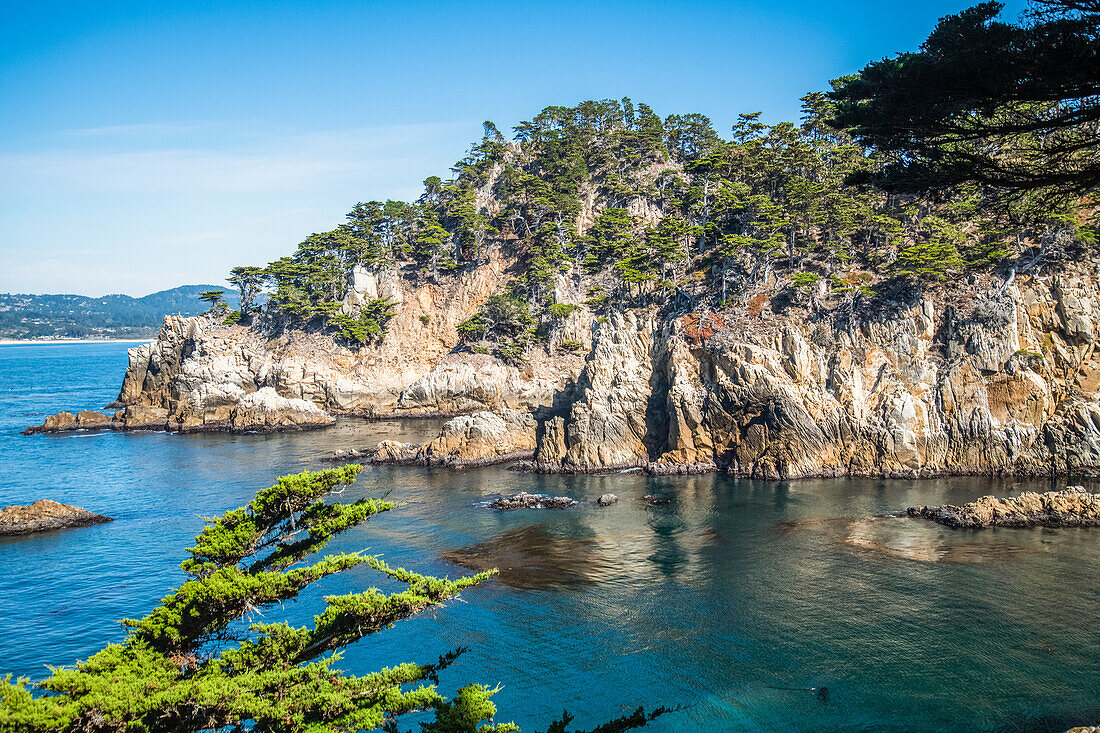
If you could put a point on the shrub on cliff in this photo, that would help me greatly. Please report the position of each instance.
(502, 316)
(370, 323)
(182, 668)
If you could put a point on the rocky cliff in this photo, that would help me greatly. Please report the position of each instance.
(1001, 377)
(996, 375)
(201, 375)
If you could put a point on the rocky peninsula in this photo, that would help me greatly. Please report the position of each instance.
(995, 377)
(646, 315)
(44, 515)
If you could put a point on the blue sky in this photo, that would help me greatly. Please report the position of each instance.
(147, 145)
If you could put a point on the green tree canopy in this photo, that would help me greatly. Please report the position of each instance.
(1012, 106)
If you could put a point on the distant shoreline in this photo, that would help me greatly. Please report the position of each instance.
(59, 342)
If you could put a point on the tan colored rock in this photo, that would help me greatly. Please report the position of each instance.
(44, 515)
(60, 421)
(143, 417)
(1073, 507)
(482, 438)
(265, 409)
(607, 425)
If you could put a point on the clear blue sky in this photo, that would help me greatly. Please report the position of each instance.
(147, 145)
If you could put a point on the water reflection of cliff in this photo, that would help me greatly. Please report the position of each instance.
(532, 558)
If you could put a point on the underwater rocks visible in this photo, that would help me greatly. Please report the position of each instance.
(44, 515)
(523, 500)
(1073, 507)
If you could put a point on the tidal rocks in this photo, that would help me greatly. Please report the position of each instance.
(1073, 507)
(523, 500)
(44, 515)
(607, 500)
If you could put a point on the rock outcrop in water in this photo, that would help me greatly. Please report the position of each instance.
(1073, 507)
(44, 515)
(523, 500)
(481, 439)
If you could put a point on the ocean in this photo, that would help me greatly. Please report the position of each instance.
(719, 601)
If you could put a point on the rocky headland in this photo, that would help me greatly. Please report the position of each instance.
(999, 375)
(642, 311)
(44, 515)
(1073, 507)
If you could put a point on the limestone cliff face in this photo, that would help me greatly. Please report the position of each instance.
(1007, 383)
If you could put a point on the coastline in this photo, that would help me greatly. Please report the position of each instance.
(63, 342)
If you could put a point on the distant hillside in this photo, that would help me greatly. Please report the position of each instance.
(112, 316)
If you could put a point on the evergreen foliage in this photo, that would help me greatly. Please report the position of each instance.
(642, 211)
(1013, 106)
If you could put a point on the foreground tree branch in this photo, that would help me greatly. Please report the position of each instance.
(182, 669)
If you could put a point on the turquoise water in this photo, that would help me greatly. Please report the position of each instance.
(711, 601)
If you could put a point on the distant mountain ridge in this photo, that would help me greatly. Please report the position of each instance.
(25, 316)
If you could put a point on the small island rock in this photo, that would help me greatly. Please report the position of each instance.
(523, 500)
(607, 500)
(44, 515)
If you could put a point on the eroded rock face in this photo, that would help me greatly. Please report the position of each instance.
(199, 375)
(480, 439)
(904, 389)
(464, 383)
(1005, 381)
(609, 423)
(44, 515)
(1073, 507)
(483, 438)
(265, 409)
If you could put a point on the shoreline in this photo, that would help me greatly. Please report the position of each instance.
(63, 342)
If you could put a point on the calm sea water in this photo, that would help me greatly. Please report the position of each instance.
(712, 601)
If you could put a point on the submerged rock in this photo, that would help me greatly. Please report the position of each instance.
(532, 558)
(523, 500)
(44, 515)
(1073, 507)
